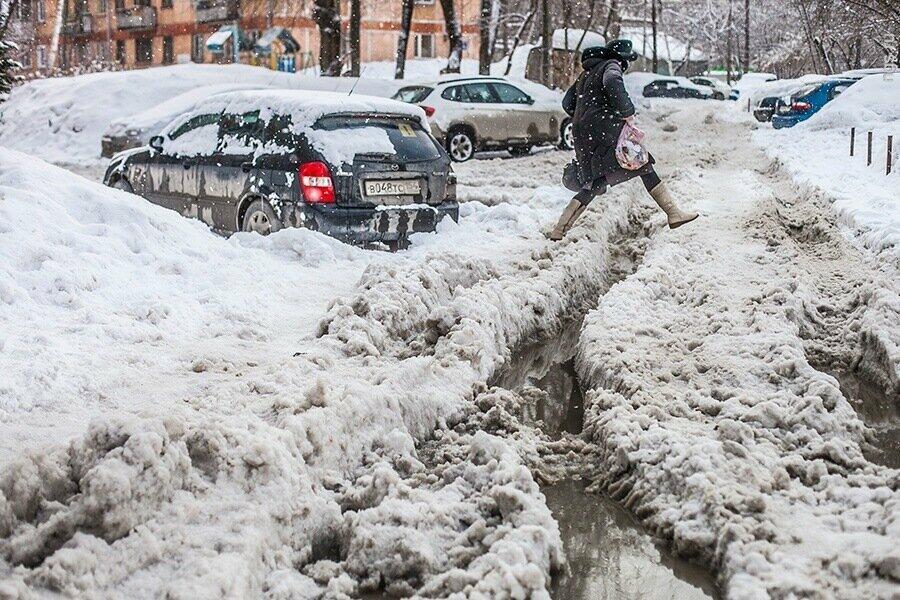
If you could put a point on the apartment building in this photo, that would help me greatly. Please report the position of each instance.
(140, 33)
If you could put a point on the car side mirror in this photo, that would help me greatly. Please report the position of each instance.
(529, 100)
(156, 142)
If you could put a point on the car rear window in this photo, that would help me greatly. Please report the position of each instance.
(407, 136)
(413, 94)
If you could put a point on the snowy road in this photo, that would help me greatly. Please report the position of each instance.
(354, 445)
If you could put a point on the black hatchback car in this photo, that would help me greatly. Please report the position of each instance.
(361, 169)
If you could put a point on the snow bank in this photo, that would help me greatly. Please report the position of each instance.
(99, 286)
(715, 430)
(238, 481)
(62, 119)
(817, 152)
(873, 102)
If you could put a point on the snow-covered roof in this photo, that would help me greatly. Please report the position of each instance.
(667, 46)
(569, 39)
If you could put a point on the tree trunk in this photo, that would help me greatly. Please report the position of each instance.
(327, 14)
(57, 28)
(654, 63)
(546, 45)
(746, 36)
(728, 45)
(355, 54)
(484, 38)
(403, 41)
(613, 21)
(454, 36)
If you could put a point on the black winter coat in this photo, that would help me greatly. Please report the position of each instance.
(598, 105)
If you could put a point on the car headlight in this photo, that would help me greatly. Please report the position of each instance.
(133, 132)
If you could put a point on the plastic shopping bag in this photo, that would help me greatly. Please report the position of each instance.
(630, 151)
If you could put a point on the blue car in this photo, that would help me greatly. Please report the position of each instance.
(808, 101)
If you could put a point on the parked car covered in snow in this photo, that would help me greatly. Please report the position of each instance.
(720, 89)
(136, 130)
(766, 108)
(468, 114)
(358, 168)
(676, 87)
(808, 101)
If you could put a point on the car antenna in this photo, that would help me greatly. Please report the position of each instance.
(353, 87)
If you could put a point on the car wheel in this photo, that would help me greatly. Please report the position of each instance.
(718, 96)
(122, 184)
(261, 218)
(519, 150)
(567, 135)
(460, 144)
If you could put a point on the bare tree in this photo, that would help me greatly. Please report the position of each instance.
(655, 60)
(523, 27)
(327, 14)
(353, 32)
(484, 37)
(454, 36)
(406, 13)
(546, 45)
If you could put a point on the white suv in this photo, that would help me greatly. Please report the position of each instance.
(468, 114)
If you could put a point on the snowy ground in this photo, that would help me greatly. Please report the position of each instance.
(188, 416)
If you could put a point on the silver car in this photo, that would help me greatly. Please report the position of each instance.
(468, 114)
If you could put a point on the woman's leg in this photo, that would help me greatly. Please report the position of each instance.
(660, 193)
(576, 206)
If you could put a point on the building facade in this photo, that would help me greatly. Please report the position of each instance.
(141, 33)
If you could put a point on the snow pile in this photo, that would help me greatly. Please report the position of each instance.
(99, 287)
(230, 480)
(752, 463)
(62, 119)
(873, 102)
(817, 152)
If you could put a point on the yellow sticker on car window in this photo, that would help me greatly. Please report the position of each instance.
(406, 130)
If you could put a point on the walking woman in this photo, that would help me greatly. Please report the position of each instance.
(599, 107)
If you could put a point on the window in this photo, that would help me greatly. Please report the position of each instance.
(509, 94)
(120, 4)
(26, 60)
(410, 141)
(413, 94)
(479, 93)
(424, 45)
(101, 7)
(168, 50)
(23, 10)
(120, 51)
(42, 57)
(41, 11)
(166, 4)
(196, 136)
(197, 48)
(143, 50)
(456, 93)
(194, 123)
(839, 89)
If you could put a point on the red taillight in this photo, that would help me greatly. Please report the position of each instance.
(800, 106)
(316, 183)
(429, 110)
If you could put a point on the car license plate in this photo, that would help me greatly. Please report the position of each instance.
(393, 187)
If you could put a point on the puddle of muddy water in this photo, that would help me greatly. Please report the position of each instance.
(609, 554)
(878, 410)
(611, 558)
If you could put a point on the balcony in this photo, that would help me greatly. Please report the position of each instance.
(136, 17)
(78, 25)
(211, 11)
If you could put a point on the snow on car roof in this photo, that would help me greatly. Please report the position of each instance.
(305, 107)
